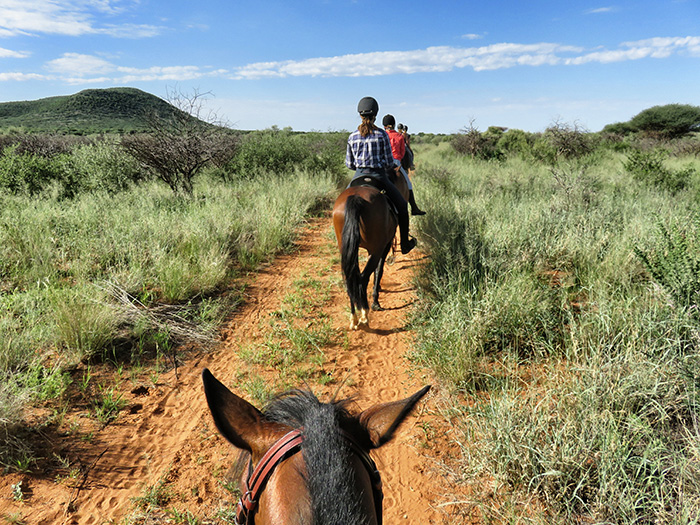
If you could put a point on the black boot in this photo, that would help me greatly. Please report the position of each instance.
(415, 210)
(407, 243)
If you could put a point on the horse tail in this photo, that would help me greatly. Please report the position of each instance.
(349, 253)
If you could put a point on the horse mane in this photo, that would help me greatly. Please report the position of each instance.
(330, 480)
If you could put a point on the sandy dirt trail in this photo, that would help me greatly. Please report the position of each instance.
(163, 447)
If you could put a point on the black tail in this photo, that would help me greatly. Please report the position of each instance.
(349, 256)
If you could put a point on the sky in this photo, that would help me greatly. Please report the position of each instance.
(437, 66)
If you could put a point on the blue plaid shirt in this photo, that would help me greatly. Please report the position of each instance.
(372, 151)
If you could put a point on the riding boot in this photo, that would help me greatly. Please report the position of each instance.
(415, 210)
(407, 243)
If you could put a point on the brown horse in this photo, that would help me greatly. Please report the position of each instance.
(363, 218)
(333, 480)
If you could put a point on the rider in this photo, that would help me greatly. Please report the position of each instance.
(399, 150)
(369, 154)
(409, 151)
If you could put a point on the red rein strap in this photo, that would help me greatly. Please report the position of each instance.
(291, 444)
(253, 486)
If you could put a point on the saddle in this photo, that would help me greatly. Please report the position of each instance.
(371, 182)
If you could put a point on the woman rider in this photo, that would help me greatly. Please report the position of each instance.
(369, 154)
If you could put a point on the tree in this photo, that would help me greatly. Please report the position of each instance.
(180, 143)
(476, 144)
(669, 121)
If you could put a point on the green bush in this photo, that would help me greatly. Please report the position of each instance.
(648, 167)
(673, 260)
(515, 141)
(471, 142)
(100, 167)
(283, 152)
(26, 173)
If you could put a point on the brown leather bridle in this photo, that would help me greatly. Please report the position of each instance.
(285, 447)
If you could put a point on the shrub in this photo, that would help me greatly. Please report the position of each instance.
(619, 128)
(282, 151)
(515, 141)
(648, 167)
(569, 140)
(42, 144)
(475, 144)
(179, 145)
(673, 261)
(26, 173)
(101, 166)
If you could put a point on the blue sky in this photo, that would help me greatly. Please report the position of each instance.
(437, 66)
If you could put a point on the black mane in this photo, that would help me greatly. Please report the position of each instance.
(335, 497)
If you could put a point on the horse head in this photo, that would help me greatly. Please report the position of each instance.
(310, 461)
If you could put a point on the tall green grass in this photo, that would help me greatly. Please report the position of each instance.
(579, 369)
(80, 276)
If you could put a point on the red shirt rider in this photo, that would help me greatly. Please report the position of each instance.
(398, 143)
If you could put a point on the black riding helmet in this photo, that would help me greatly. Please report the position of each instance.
(389, 120)
(368, 107)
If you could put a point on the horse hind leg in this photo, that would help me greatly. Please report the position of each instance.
(359, 318)
(364, 317)
(354, 320)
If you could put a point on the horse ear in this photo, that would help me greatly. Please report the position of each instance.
(237, 420)
(381, 421)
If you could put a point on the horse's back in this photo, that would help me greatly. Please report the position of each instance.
(377, 223)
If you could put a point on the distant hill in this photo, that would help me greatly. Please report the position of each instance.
(114, 110)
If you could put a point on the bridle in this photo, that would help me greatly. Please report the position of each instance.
(286, 447)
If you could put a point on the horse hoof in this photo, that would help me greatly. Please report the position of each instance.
(377, 308)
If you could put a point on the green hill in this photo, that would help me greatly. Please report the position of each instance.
(114, 110)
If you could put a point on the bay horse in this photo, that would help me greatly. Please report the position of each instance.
(364, 218)
(332, 481)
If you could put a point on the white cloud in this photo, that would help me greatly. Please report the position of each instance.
(19, 77)
(650, 48)
(128, 75)
(600, 10)
(446, 58)
(70, 18)
(430, 60)
(78, 65)
(76, 68)
(8, 53)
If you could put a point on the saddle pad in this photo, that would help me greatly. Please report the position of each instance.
(374, 183)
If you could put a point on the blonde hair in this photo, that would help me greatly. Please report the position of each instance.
(367, 126)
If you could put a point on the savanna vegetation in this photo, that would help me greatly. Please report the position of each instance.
(559, 305)
(102, 261)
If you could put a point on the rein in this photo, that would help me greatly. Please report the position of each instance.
(287, 446)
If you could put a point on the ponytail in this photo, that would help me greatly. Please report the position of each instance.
(367, 126)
